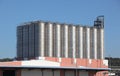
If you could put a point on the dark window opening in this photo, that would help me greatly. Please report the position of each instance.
(9, 73)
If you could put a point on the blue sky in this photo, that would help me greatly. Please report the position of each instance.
(15, 12)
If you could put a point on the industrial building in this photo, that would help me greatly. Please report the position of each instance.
(55, 49)
(46, 39)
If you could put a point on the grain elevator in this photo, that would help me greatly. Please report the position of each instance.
(47, 39)
(58, 49)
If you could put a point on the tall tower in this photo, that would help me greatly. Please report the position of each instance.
(99, 25)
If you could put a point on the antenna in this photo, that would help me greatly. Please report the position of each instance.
(99, 22)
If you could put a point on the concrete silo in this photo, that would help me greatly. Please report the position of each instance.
(56, 40)
(47, 39)
(64, 40)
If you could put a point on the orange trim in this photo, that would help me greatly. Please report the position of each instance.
(16, 63)
(67, 62)
(55, 59)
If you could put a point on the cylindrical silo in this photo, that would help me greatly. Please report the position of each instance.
(36, 38)
(88, 42)
(71, 38)
(46, 40)
(64, 40)
(95, 42)
(31, 40)
(74, 41)
(102, 42)
(98, 43)
(81, 42)
(91, 43)
(77, 42)
(19, 42)
(56, 40)
(84, 42)
(24, 42)
(48, 51)
(50, 41)
(41, 38)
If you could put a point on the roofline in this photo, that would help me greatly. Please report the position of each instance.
(68, 68)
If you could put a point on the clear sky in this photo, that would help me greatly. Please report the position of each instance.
(15, 12)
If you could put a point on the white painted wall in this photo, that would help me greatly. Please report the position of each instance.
(40, 63)
(105, 62)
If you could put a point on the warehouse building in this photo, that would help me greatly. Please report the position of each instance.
(54, 49)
